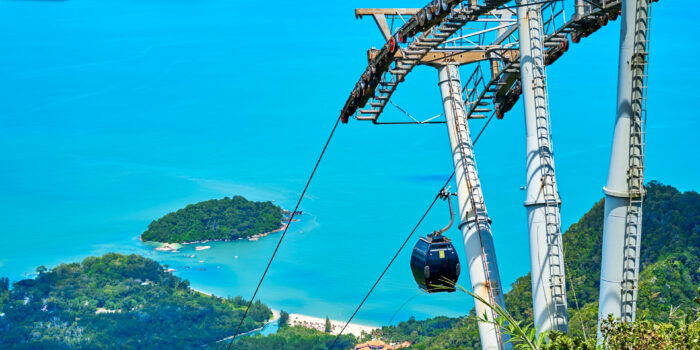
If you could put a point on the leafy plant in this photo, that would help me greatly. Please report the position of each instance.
(522, 336)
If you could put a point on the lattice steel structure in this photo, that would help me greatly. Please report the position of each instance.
(509, 44)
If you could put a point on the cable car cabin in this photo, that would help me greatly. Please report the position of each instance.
(435, 264)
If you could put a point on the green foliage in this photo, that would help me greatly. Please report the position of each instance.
(284, 319)
(4, 291)
(292, 338)
(519, 299)
(670, 273)
(425, 333)
(623, 336)
(117, 301)
(521, 336)
(681, 334)
(560, 341)
(41, 269)
(670, 267)
(668, 286)
(216, 219)
(650, 335)
(327, 328)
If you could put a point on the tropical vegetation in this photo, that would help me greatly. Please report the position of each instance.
(131, 302)
(116, 302)
(294, 338)
(216, 219)
(670, 275)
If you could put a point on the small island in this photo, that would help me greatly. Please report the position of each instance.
(224, 219)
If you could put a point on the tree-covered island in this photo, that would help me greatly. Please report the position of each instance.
(224, 219)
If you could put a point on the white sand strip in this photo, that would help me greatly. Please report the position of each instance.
(320, 324)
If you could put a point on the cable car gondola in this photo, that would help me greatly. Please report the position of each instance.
(434, 262)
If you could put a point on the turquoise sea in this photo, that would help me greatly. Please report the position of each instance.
(116, 112)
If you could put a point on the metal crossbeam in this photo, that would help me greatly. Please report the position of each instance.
(422, 33)
(447, 36)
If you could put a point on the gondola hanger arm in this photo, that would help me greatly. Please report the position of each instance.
(445, 195)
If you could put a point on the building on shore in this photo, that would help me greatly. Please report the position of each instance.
(380, 345)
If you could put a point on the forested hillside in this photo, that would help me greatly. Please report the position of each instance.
(216, 219)
(130, 302)
(669, 277)
(116, 302)
(292, 338)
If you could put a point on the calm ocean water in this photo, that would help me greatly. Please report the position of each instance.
(114, 113)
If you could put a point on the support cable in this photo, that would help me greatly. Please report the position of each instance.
(391, 261)
(404, 304)
(289, 223)
(415, 121)
(404, 242)
(403, 111)
(408, 123)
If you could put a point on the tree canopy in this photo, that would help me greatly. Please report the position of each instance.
(216, 219)
(117, 302)
(293, 338)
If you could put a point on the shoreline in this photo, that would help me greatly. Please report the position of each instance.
(295, 319)
(168, 246)
(252, 330)
(319, 323)
(307, 321)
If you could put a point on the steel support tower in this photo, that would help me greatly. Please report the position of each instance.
(475, 223)
(542, 202)
(483, 33)
(624, 190)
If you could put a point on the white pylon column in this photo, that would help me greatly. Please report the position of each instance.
(474, 221)
(542, 202)
(581, 7)
(624, 190)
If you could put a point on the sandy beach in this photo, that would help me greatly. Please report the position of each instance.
(320, 324)
(173, 247)
(314, 322)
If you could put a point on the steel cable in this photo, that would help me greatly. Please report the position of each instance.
(405, 241)
(289, 223)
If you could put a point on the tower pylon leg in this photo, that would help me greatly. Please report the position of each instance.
(542, 202)
(624, 190)
(474, 221)
(581, 7)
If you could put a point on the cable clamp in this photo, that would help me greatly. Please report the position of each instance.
(471, 220)
(445, 193)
